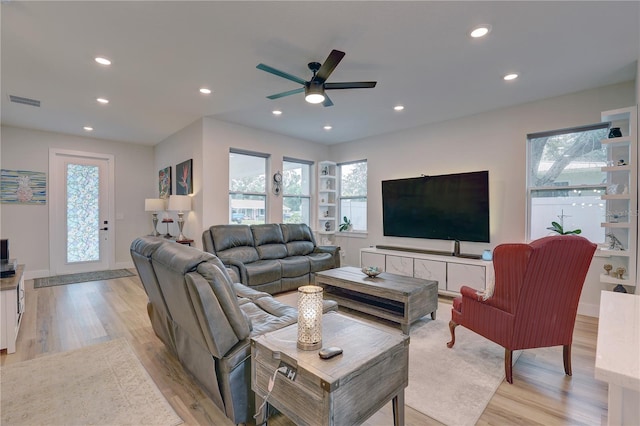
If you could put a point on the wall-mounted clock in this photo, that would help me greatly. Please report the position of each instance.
(277, 183)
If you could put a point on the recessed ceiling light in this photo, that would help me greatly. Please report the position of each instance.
(511, 76)
(276, 112)
(103, 61)
(327, 127)
(103, 100)
(88, 128)
(205, 91)
(480, 31)
(398, 107)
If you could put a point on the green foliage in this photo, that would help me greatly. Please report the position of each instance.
(560, 150)
(556, 227)
(354, 180)
(345, 225)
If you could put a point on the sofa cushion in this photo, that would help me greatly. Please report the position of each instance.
(320, 261)
(244, 292)
(268, 241)
(298, 238)
(234, 242)
(171, 262)
(263, 271)
(295, 266)
(268, 314)
(213, 328)
(226, 295)
(288, 284)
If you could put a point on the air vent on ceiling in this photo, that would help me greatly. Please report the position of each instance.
(25, 101)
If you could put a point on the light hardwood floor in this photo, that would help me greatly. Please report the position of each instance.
(67, 317)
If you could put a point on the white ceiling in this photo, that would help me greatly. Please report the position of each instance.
(418, 52)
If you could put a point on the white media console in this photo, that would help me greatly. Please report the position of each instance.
(451, 272)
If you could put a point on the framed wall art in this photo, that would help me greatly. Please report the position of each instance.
(184, 178)
(23, 187)
(164, 182)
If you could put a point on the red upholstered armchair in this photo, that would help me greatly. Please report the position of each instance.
(535, 299)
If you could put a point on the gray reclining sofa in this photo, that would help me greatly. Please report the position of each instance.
(272, 257)
(206, 320)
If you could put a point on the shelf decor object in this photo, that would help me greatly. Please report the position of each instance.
(154, 205)
(615, 132)
(181, 204)
(621, 200)
(309, 317)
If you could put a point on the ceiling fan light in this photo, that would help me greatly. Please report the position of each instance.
(314, 98)
(314, 93)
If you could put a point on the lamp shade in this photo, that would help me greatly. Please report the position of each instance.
(309, 317)
(153, 204)
(179, 203)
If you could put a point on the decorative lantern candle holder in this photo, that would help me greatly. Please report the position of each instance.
(309, 317)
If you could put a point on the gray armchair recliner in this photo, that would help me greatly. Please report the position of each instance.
(206, 320)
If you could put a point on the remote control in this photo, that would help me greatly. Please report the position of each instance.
(330, 352)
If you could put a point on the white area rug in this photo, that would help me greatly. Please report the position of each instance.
(103, 384)
(453, 385)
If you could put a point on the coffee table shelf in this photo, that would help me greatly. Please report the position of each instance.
(393, 297)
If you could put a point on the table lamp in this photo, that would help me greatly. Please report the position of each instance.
(309, 317)
(154, 205)
(181, 204)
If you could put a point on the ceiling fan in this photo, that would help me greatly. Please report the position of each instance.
(314, 89)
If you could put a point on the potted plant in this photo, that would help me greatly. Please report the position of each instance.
(345, 225)
(556, 227)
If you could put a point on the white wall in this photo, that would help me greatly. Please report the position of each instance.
(494, 141)
(208, 141)
(181, 146)
(27, 226)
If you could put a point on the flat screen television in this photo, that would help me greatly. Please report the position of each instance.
(444, 207)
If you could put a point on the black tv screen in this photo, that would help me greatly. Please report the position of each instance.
(444, 207)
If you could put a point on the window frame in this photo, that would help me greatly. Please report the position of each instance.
(341, 197)
(532, 189)
(307, 196)
(263, 195)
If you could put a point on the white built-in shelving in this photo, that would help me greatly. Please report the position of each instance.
(327, 221)
(621, 199)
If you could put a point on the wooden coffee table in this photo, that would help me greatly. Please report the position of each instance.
(345, 390)
(389, 296)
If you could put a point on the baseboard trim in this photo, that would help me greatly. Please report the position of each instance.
(589, 310)
(124, 265)
(42, 273)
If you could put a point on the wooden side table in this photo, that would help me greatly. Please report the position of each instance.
(344, 390)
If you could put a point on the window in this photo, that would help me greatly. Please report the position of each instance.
(247, 187)
(565, 181)
(296, 191)
(353, 193)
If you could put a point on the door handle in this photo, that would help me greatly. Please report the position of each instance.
(104, 229)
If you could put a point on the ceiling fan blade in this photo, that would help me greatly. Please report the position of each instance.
(350, 85)
(287, 93)
(329, 65)
(327, 102)
(279, 73)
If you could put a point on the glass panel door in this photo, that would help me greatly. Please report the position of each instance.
(80, 212)
(83, 213)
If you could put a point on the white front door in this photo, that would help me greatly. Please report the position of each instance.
(80, 212)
